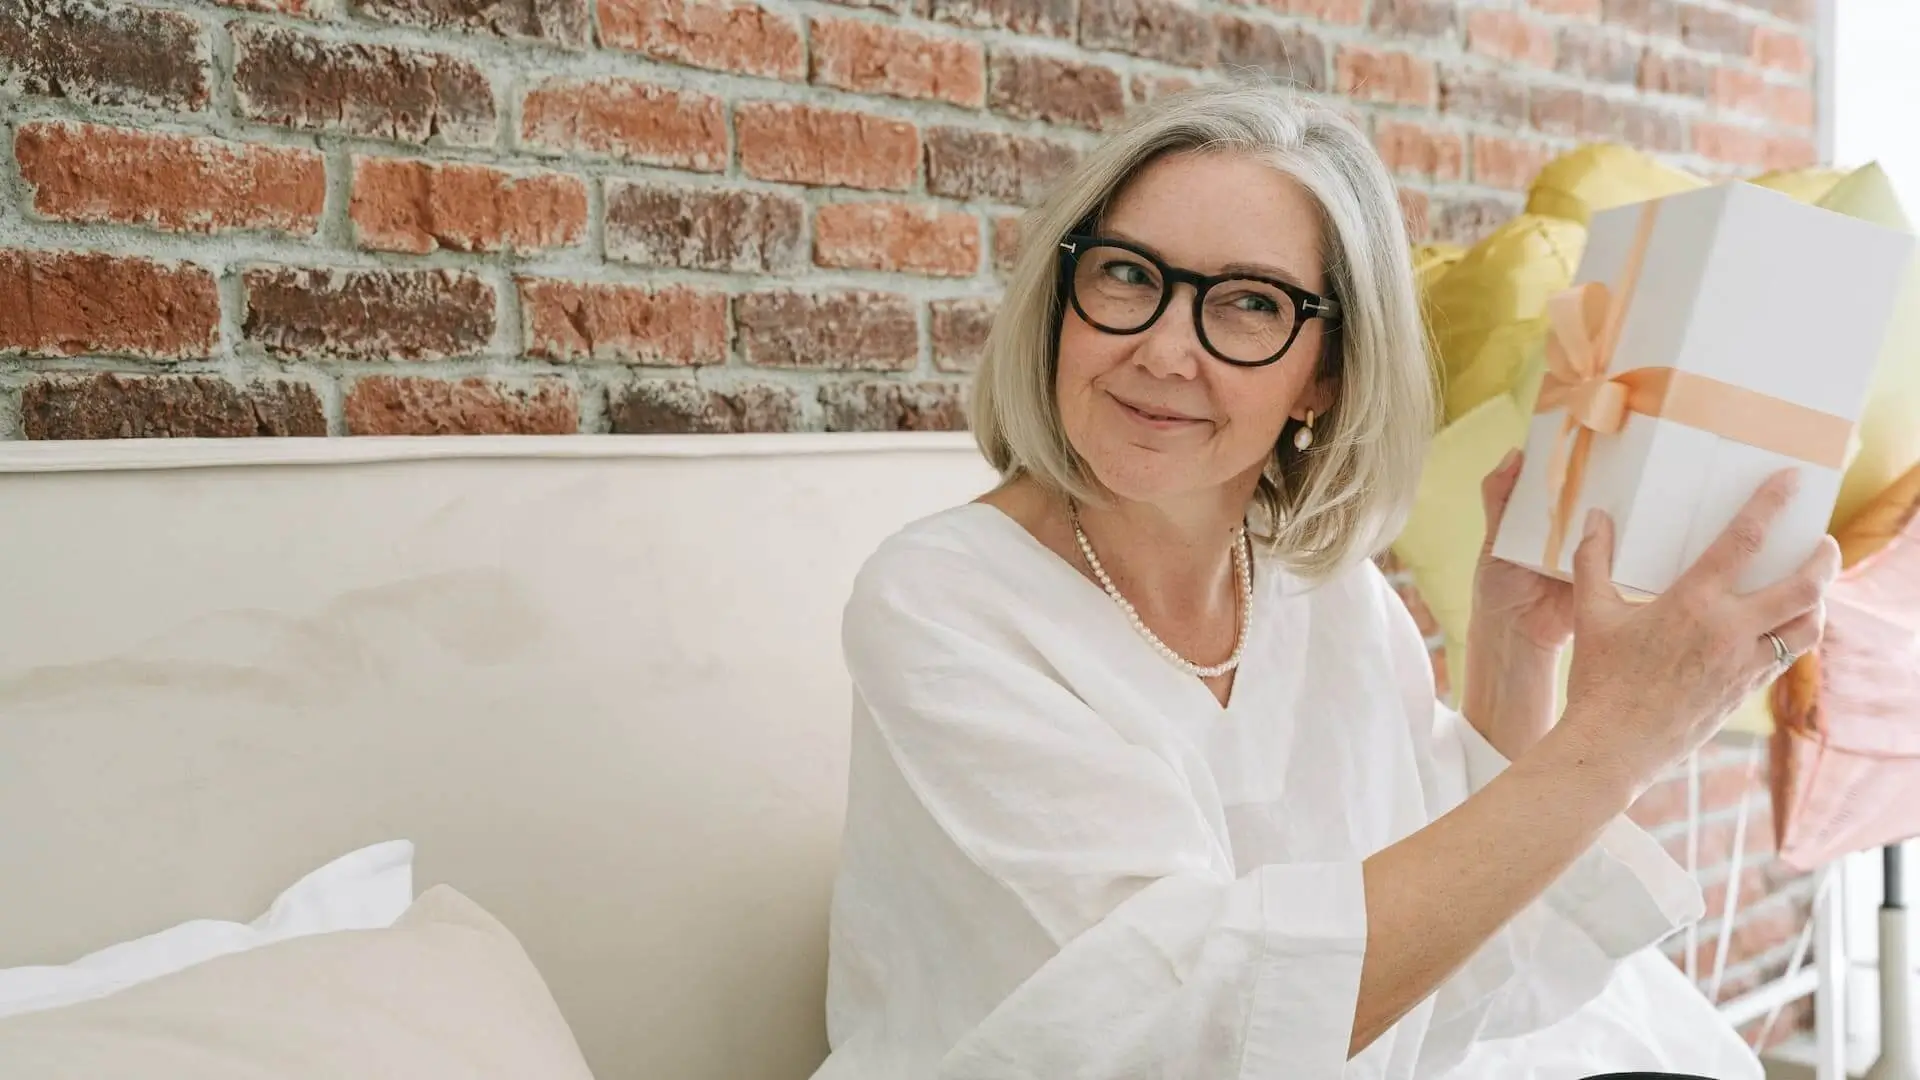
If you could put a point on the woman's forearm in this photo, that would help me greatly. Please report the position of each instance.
(1434, 898)
(1511, 689)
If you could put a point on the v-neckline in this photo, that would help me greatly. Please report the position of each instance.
(1092, 591)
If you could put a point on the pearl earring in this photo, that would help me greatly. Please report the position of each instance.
(1304, 437)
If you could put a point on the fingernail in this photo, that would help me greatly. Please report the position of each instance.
(1593, 523)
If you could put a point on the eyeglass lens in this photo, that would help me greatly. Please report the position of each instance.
(1244, 319)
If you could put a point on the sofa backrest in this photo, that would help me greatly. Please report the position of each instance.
(596, 681)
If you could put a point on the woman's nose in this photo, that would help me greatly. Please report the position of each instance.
(1171, 348)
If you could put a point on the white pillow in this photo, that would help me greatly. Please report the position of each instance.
(366, 889)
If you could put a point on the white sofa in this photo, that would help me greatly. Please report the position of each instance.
(596, 681)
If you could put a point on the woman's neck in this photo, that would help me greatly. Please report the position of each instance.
(1169, 559)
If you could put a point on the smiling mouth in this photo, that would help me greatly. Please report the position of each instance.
(1146, 413)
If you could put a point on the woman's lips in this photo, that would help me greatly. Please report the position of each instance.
(1154, 417)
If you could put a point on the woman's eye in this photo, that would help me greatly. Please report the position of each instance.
(1129, 273)
(1256, 304)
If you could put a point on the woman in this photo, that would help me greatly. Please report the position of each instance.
(1149, 779)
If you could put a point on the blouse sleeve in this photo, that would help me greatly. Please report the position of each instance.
(1167, 963)
(1621, 896)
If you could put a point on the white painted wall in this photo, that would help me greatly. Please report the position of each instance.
(1876, 90)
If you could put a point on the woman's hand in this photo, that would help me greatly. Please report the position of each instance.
(1652, 681)
(1530, 606)
(1521, 620)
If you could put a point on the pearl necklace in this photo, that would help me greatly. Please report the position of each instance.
(1243, 575)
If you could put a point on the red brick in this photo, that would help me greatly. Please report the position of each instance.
(1417, 208)
(913, 238)
(894, 406)
(1730, 144)
(724, 229)
(556, 22)
(327, 313)
(722, 35)
(1040, 18)
(96, 54)
(1378, 75)
(1296, 55)
(1661, 18)
(91, 174)
(874, 58)
(1572, 113)
(805, 144)
(1147, 88)
(421, 206)
(1799, 12)
(1739, 91)
(1790, 152)
(1666, 802)
(1415, 18)
(1680, 75)
(1712, 30)
(586, 322)
(958, 332)
(851, 330)
(1508, 163)
(1758, 929)
(1467, 219)
(1781, 50)
(1790, 106)
(166, 406)
(1715, 844)
(1599, 56)
(416, 405)
(1036, 86)
(1579, 9)
(1006, 242)
(70, 303)
(1343, 12)
(681, 407)
(300, 8)
(289, 79)
(1017, 169)
(622, 118)
(1508, 35)
(1170, 31)
(1492, 96)
(1414, 150)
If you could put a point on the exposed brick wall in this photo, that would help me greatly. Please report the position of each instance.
(359, 216)
(339, 217)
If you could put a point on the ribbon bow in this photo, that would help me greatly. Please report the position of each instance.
(1584, 326)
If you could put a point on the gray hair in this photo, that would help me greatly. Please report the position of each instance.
(1349, 493)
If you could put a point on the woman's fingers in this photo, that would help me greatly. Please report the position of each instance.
(1800, 591)
(1743, 537)
(1800, 635)
(1593, 562)
(1496, 488)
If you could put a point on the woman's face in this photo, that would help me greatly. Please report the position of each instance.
(1154, 414)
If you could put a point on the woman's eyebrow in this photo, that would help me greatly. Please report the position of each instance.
(1239, 268)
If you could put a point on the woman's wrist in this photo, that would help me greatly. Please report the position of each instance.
(1511, 688)
(1578, 755)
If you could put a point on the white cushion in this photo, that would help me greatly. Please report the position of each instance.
(446, 992)
(361, 890)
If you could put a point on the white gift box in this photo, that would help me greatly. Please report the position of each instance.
(1770, 314)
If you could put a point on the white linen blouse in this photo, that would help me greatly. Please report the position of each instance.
(1064, 858)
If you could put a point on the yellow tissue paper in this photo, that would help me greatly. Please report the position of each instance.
(1806, 185)
(1889, 429)
(1502, 281)
(1599, 177)
(1440, 544)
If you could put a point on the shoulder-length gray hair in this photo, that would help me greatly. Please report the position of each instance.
(1348, 494)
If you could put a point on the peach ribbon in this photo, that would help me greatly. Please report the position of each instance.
(1584, 327)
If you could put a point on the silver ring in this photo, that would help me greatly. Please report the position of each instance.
(1781, 654)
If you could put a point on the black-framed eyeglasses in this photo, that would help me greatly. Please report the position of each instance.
(1248, 321)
